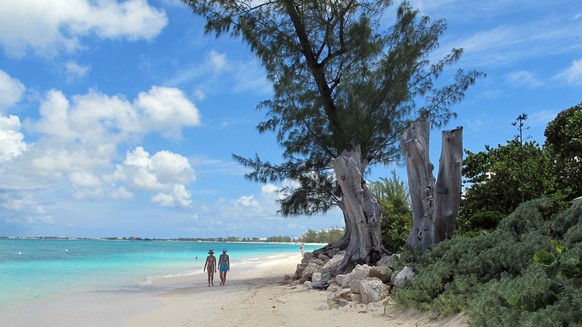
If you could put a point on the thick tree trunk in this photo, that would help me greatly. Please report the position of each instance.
(448, 185)
(361, 210)
(433, 213)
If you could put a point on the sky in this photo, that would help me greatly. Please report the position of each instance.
(120, 118)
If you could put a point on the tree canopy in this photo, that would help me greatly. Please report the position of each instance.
(342, 77)
(497, 176)
(500, 179)
(564, 144)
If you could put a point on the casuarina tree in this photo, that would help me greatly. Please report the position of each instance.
(347, 80)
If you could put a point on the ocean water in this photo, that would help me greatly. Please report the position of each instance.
(36, 269)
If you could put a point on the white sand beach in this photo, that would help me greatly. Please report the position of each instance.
(259, 296)
(256, 294)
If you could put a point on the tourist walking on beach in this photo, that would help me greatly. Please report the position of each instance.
(210, 265)
(224, 266)
(302, 248)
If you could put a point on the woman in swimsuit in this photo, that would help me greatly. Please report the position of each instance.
(211, 265)
(224, 266)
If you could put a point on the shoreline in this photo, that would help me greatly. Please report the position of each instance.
(256, 294)
(260, 296)
(185, 304)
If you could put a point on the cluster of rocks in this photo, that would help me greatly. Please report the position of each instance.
(363, 287)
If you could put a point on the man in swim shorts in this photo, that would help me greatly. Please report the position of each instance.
(223, 266)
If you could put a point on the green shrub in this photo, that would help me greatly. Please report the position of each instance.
(494, 278)
(485, 220)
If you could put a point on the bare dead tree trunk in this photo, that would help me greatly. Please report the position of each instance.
(433, 213)
(361, 210)
(448, 185)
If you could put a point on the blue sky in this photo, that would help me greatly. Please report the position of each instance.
(120, 118)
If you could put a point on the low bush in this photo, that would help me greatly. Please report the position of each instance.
(494, 277)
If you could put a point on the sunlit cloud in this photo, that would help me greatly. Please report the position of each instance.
(164, 171)
(11, 90)
(47, 28)
(76, 146)
(178, 196)
(11, 138)
(246, 201)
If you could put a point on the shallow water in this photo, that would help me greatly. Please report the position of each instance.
(32, 270)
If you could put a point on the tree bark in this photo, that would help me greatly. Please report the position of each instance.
(448, 186)
(361, 211)
(433, 214)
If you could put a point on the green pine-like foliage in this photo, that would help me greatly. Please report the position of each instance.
(345, 74)
(528, 272)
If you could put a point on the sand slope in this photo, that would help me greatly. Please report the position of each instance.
(259, 296)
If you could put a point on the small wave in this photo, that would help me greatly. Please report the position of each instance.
(31, 298)
(150, 279)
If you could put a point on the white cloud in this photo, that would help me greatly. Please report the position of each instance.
(138, 171)
(54, 120)
(572, 74)
(246, 201)
(163, 199)
(75, 71)
(199, 94)
(166, 110)
(178, 197)
(76, 144)
(86, 185)
(217, 61)
(40, 216)
(48, 27)
(15, 201)
(96, 118)
(121, 193)
(172, 168)
(11, 139)
(269, 188)
(11, 90)
(56, 161)
(523, 78)
(165, 172)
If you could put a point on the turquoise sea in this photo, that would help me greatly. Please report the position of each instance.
(33, 269)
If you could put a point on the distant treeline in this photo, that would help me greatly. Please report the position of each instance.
(322, 236)
(310, 236)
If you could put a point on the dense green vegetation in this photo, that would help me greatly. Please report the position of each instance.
(499, 179)
(527, 272)
(392, 194)
(564, 145)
